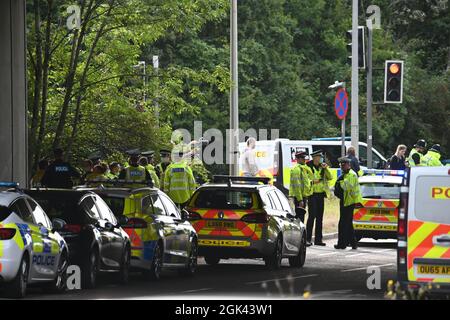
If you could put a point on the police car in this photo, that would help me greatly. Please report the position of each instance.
(161, 237)
(31, 251)
(238, 217)
(423, 256)
(377, 215)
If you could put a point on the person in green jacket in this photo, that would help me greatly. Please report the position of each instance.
(143, 161)
(433, 156)
(300, 184)
(321, 176)
(348, 191)
(179, 182)
(415, 157)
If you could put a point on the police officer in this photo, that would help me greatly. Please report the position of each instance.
(162, 166)
(321, 176)
(114, 170)
(59, 173)
(300, 184)
(135, 172)
(179, 182)
(416, 155)
(37, 178)
(433, 156)
(144, 161)
(348, 191)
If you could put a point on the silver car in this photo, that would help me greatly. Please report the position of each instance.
(31, 251)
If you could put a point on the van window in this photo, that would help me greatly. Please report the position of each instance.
(377, 162)
(332, 154)
(428, 207)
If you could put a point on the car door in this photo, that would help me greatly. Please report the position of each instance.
(281, 216)
(181, 238)
(293, 223)
(167, 225)
(115, 234)
(103, 235)
(45, 261)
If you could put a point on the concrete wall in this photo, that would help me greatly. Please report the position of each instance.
(13, 115)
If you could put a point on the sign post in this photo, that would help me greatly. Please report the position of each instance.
(341, 109)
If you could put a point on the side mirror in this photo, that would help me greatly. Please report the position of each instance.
(184, 214)
(109, 226)
(122, 220)
(58, 224)
(135, 223)
(290, 216)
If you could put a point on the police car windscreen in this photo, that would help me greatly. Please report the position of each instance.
(4, 213)
(66, 209)
(225, 199)
(380, 191)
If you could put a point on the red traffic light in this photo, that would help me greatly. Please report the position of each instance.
(394, 68)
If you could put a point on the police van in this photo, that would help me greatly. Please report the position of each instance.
(275, 158)
(424, 230)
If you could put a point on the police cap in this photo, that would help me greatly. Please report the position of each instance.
(301, 154)
(436, 148)
(317, 153)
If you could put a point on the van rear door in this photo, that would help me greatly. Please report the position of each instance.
(428, 242)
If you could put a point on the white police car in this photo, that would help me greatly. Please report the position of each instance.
(31, 251)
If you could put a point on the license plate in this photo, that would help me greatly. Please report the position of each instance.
(433, 269)
(379, 211)
(221, 224)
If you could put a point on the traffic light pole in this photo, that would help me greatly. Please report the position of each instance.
(369, 94)
(355, 89)
(234, 109)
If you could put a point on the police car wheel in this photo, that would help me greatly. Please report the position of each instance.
(192, 261)
(124, 273)
(59, 284)
(299, 260)
(18, 287)
(274, 261)
(211, 260)
(155, 272)
(90, 270)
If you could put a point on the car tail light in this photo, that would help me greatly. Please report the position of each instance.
(402, 255)
(7, 233)
(260, 217)
(194, 216)
(74, 228)
(402, 214)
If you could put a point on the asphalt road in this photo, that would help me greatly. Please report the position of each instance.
(327, 274)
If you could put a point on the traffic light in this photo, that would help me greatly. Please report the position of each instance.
(393, 82)
(361, 47)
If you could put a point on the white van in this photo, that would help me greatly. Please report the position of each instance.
(275, 158)
(423, 259)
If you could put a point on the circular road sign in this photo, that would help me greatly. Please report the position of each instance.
(341, 103)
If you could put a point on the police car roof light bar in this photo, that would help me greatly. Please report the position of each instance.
(229, 179)
(377, 172)
(5, 184)
(119, 182)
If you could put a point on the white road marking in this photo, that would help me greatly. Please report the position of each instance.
(365, 268)
(288, 278)
(197, 290)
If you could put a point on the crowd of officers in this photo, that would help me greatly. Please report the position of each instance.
(309, 186)
(178, 173)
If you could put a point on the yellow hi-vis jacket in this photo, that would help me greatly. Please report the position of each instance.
(179, 182)
(350, 186)
(300, 182)
(431, 159)
(152, 171)
(411, 160)
(320, 180)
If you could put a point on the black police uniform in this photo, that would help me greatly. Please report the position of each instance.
(59, 174)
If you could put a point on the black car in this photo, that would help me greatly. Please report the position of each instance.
(96, 241)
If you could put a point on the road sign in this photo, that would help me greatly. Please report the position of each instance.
(341, 104)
